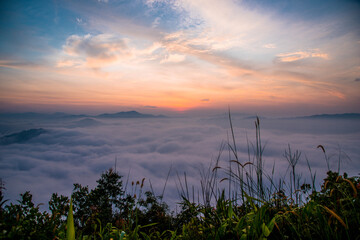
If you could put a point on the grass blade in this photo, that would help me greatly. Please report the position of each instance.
(70, 228)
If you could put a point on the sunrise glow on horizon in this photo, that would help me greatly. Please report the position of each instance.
(180, 55)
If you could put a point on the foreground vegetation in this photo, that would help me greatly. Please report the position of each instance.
(254, 205)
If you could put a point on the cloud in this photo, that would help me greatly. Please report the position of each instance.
(205, 50)
(151, 2)
(79, 21)
(299, 55)
(205, 100)
(149, 106)
(70, 62)
(169, 148)
(21, 64)
(156, 22)
(269, 45)
(173, 58)
(357, 80)
(96, 50)
(55, 160)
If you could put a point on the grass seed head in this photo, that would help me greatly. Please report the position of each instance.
(336, 216)
(322, 148)
(352, 186)
(142, 182)
(338, 178)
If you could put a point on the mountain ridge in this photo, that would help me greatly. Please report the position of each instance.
(22, 136)
(128, 114)
(332, 116)
(57, 115)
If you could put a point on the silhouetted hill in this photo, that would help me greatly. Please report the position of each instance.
(21, 137)
(33, 115)
(333, 116)
(60, 115)
(130, 114)
(85, 122)
(254, 117)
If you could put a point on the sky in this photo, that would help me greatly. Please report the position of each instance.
(268, 57)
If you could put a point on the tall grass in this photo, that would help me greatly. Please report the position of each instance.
(245, 178)
(287, 202)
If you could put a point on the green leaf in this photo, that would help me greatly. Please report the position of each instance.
(243, 237)
(122, 235)
(271, 224)
(146, 237)
(70, 228)
(265, 230)
(230, 211)
(149, 225)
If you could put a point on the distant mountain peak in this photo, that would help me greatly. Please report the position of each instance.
(334, 116)
(128, 114)
(33, 115)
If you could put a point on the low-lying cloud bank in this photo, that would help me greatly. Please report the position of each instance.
(79, 150)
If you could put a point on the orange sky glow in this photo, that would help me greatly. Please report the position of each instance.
(182, 56)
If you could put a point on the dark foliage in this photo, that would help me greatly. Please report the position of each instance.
(105, 211)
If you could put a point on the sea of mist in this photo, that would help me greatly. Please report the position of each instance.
(78, 150)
